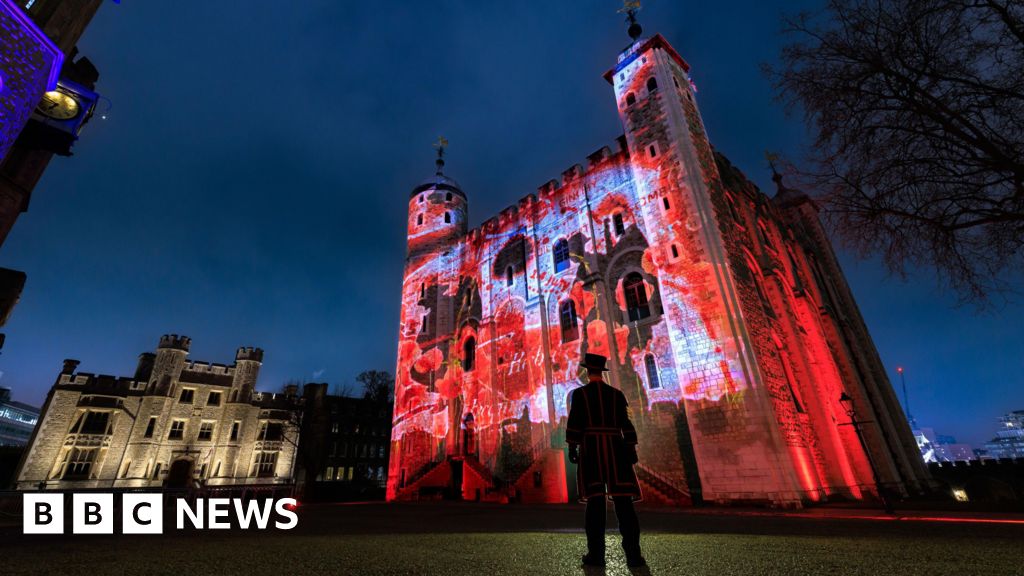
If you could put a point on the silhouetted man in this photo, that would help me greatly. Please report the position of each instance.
(602, 442)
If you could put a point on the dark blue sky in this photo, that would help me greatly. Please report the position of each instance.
(249, 186)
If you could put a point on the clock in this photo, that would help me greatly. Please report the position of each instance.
(58, 105)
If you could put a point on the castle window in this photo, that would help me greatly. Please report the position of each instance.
(448, 197)
(272, 431)
(156, 470)
(205, 432)
(124, 472)
(620, 227)
(652, 150)
(419, 219)
(447, 217)
(177, 430)
(334, 427)
(637, 306)
(150, 427)
(79, 463)
(95, 423)
(423, 325)
(651, 366)
(423, 291)
(652, 84)
(234, 430)
(420, 199)
(187, 395)
(630, 99)
(329, 474)
(265, 464)
(213, 399)
(468, 354)
(509, 277)
(561, 255)
(675, 251)
(676, 82)
(664, 202)
(765, 240)
(568, 320)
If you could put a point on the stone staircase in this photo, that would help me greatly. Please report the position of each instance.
(658, 489)
(411, 491)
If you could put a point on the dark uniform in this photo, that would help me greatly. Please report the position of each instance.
(599, 426)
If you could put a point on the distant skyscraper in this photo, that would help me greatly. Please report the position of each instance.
(1009, 439)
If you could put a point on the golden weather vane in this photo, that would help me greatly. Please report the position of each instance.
(630, 8)
(441, 144)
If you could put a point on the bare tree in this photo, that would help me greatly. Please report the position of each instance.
(917, 108)
(378, 385)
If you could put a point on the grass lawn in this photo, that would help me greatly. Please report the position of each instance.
(532, 553)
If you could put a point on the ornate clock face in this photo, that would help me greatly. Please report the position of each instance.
(58, 105)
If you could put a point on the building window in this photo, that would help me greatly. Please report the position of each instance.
(329, 474)
(234, 430)
(652, 150)
(419, 219)
(127, 466)
(266, 462)
(447, 217)
(618, 224)
(568, 321)
(675, 251)
(95, 423)
(271, 431)
(177, 430)
(652, 84)
(187, 396)
(448, 197)
(423, 291)
(675, 82)
(765, 239)
(653, 382)
(420, 199)
(205, 432)
(468, 354)
(510, 278)
(156, 470)
(150, 427)
(636, 297)
(213, 399)
(664, 202)
(334, 428)
(630, 99)
(79, 463)
(561, 255)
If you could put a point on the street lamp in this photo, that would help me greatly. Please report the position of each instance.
(847, 403)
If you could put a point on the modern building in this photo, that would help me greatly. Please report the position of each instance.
(1009, 438)
(176, 422)
(724, 313)
(343, 454)
(17, 420)
(942, 448)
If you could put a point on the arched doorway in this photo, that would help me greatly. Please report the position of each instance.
(179, 475)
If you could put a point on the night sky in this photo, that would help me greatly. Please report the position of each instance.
(249, 185)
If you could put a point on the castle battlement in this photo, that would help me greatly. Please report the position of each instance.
(249, 353)
(209, 368)
(175, 342)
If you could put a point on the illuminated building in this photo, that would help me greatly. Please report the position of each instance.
(17, 420)
(175, 423)
(724, 314)
(1009, 439)
(939, 448)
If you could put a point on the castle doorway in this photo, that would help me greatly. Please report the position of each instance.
(179, 475)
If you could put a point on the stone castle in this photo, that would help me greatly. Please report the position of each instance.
(725, 315)
(175, 423)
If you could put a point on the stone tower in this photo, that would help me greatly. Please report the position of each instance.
(170, 359)
(247, 367)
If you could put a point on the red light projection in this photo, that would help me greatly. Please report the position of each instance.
(660, 256)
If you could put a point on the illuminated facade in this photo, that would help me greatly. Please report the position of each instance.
(724, 314)
(175, 423)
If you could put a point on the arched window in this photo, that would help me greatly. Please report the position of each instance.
(636, 297)
(651, 366)
(765, 240)
(630, 99)
(620, 227)
(423, 291)
(419, 219)
(468, 354)
(509, 277)
(561, 255)
(568, 320)
(448, 197)
(447, 217)
(652, 84)
(421, 199)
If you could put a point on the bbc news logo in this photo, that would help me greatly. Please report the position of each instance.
(143, 513)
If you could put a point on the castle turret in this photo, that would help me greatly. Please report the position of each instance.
(438, 213)
(170, 359)
(247, 367)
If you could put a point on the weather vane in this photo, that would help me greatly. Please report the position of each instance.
(441, 144)
(630, 8)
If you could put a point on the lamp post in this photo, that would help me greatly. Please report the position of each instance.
(847, 404)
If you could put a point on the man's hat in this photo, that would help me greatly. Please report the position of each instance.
(595, 362)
